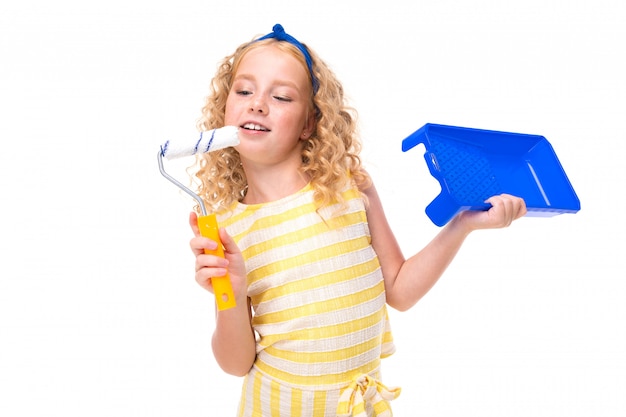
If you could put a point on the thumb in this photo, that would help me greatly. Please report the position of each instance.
(228, 242)
(193, 223)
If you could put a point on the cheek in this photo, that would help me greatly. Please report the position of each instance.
(234, 101)
(229, 112)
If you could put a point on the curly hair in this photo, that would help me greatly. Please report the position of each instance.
(330, 156)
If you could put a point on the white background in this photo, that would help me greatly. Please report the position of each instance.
(99, 312)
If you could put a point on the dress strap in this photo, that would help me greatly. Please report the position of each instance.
(366, 393)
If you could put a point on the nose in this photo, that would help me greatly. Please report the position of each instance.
(258, 105)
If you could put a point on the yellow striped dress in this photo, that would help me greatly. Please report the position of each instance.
(320, 316)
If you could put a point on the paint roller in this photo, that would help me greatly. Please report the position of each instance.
(208, 141)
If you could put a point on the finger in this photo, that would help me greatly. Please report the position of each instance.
(522, 210)
(513, 205)
(204, 280)
(518, 207)
(200, 245)
(501, 212)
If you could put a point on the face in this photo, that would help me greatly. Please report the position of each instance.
(270, 102)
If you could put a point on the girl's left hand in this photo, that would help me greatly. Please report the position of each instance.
(505, 208)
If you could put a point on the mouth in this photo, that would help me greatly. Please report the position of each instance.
(256, 127)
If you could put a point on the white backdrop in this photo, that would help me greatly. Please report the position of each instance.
(99, 312)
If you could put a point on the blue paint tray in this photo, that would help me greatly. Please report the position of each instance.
(472, 165)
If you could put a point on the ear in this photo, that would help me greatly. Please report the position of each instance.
(309, 126)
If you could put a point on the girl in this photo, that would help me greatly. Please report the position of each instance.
(310, 254)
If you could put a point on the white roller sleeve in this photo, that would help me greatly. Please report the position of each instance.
(210, 140)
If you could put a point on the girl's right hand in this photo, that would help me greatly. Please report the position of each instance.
(208, 266)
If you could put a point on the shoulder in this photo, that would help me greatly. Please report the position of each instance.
(365, 185)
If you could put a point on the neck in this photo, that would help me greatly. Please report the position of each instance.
(265, 186)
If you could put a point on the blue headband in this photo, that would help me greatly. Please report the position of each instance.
(279, 33)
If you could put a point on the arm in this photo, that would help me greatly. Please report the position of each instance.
(408, 280)
(233, 342)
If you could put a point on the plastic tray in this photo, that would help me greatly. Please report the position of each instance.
(472, 165)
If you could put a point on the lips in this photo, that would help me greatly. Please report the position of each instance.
(254, 126)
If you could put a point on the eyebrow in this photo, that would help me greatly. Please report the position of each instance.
(280, 83)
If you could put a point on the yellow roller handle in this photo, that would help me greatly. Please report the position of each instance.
(221, 285)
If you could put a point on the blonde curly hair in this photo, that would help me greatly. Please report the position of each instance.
(330, 156)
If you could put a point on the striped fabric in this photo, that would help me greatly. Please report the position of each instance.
(319, 309)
